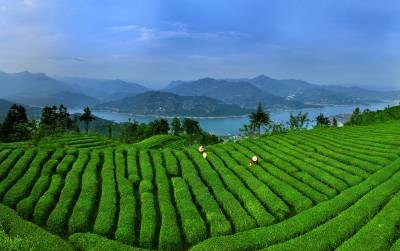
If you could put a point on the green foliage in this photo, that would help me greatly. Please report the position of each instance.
(169, 238)
(312, 218)
(82, 214)
(298, 121)
(194, 228)
(133, 166)
(26, 206)
(48, 201)
(87, 117)
(58, 219)
(125, 231)
(54, 121)
(322, 121)
(21, 189)
(16, 126)
(18, 234)
(15, 172)
(146, 167)
(148, 220)
(176, 126)
(258, 120)
(105, 220)
(93, 242)
(368, 117)
(322, 189)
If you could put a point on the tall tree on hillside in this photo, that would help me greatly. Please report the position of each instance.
(55, 120)
(176, 126)
(191, 127)
(87, 117)
(334, 122)
(259, 118)
(158, 126)
(322, 120)
(298, 121)
(16, 125)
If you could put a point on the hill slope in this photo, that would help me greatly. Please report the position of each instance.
(28, 83)
(319, 94)
(69, 99)
(5, 106)
(168, 104)
(105, 89)
(306, 186)
(241, 93)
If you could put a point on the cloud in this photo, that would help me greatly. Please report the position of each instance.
(76, 59)
(28, 3)
(175, 30)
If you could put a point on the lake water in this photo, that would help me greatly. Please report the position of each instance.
(230, 126)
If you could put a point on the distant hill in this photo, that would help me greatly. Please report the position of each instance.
(368, 117)
(38, 89)
(5, 106)
(27, 83)
(168, 104)
(69, 99)
(104, 89)
(241, 93)
(319, 94)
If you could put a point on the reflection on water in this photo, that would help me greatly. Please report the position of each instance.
(230, 126)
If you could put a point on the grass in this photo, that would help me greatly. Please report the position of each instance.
(322, 189)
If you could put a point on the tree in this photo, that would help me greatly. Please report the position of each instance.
(55, 120)
(278, 128)
(176, 126)
(16, 126)
(356, 117)
(87, 117)
(190, 126)
(298, 121)
(248, 130)
(109, 130)
(322, 120)
(259, 118)
(334, 122)
(159, 126)
(130, 132)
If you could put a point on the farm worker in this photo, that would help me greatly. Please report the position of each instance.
(201, 149)
(253, 160)
(204, 155)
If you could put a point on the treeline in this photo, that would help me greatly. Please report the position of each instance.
(57, 120)
(260, 122)
(54, 120)
(368, 117)
(132, 132)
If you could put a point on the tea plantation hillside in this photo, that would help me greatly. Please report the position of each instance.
(323, 189)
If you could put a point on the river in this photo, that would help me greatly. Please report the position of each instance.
(230, 126)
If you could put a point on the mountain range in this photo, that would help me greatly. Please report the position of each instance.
(286, 93)
(242, 93)
(169, 104)
(203, 97)
(38, 89)
(5, 106)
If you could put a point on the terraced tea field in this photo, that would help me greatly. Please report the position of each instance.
(322, 189)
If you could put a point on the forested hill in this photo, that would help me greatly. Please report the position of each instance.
(243, 93)
(5, 106)
(368, 117)
(168, 104)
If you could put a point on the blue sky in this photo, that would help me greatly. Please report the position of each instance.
(321, 41)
